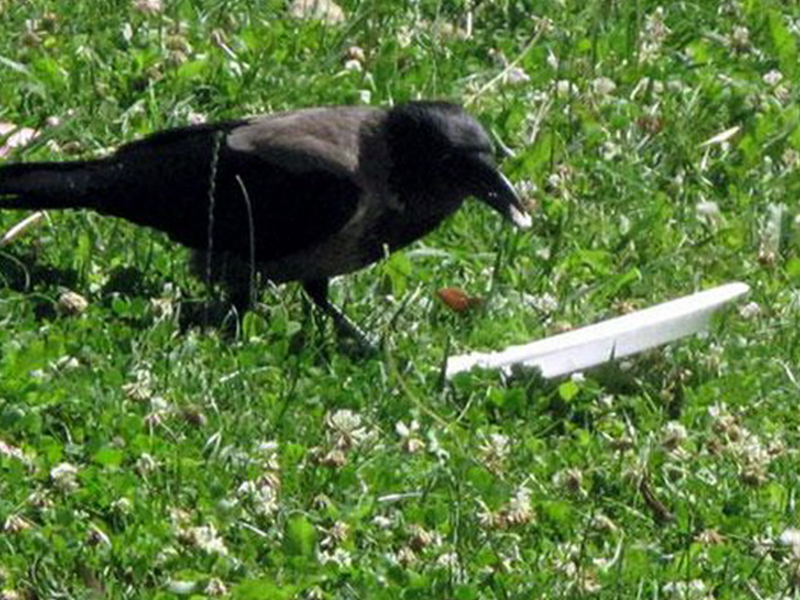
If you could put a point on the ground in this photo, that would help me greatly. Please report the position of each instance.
(658, 147)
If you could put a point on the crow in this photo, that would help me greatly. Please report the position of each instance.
(303, 195)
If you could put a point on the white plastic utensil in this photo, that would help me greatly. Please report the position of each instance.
(615, 338)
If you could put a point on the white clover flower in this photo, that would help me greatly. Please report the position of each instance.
(269, 453)
(609, 150)
(565, 88)
(708, 212)
(405, 36)
(347, 429)
(148, 7)
(155, 418)
(516, 76)
(335, 535)
(72, 303)
(11, 451)
(193, 118)
(486, 518)
(422, 538)
(448, 560)
(266, 503)
(790, 158)
(603, 86)
(686, 590)
(655, 26)
(546, 302)
(653, 36)
(353, 65)
(146, 464)
(344, 420)
(710, 537)
(763, 545)
(40, 499)
(494, 451)
(773, 77)
(325, 11)
(141, 388)
(356, 53)
(16, 523)
(675, 85)
(335, 459)
(570, 480)
(740, 37)
(122, 506)
(406, 556)
(542, 25)
(782, 95)
(64, 476)
(673, 434)
(791, 537)
(751, 310)
(382, 522)
(409, 436)
(263, 494)
(338, 556)
(587, 583)
(519, 507)
(435, 446)
(157, 403)
(205, 538)
(216, 587)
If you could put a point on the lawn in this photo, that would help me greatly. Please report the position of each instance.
(141, 457)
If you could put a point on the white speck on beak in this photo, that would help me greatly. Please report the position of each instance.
(521, 219)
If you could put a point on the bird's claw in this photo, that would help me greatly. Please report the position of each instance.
(362, 346)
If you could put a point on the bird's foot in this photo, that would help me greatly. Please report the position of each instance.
(358, 343)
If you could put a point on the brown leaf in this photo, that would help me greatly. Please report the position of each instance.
(458, 300)
(651, 124)
(660, 511)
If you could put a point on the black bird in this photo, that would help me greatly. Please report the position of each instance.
(302, 195)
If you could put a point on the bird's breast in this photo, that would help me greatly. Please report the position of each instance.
(383, 223)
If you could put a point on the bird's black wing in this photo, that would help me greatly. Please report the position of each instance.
(280, 184)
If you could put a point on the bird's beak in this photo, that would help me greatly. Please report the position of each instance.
(498, 192)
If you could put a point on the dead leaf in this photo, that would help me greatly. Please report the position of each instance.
(659, 510)
(458, 300)
(650, 124)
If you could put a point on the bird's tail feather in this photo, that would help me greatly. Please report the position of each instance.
(48, 185)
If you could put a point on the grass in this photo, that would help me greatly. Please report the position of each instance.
(142, 460)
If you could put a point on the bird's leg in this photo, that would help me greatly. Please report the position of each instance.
(317, 290)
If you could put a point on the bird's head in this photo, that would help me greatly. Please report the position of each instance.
(438, 148)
